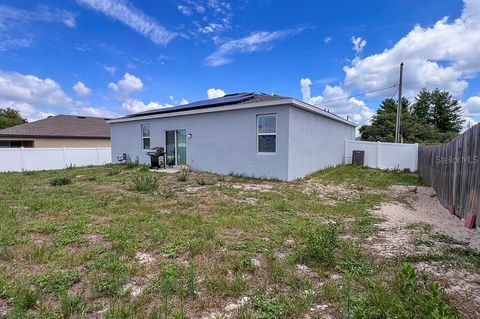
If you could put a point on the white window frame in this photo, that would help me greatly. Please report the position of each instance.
(260, 134)
(146, 137)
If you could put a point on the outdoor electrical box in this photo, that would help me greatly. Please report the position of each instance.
(358, 157)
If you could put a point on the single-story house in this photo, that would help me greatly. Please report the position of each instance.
(58, 131)
(252, 134)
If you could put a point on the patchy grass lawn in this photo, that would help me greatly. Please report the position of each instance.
(122, 242)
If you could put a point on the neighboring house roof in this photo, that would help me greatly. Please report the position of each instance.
(226, 103)
(61, 126)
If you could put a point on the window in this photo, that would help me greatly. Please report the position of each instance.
(267, 133)
(146, 136)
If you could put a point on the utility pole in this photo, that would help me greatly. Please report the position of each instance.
(399, 107)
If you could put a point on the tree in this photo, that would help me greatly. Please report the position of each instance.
(446, 112)
(10, 117)
(434, 117)
(421, 107)
(382, 127)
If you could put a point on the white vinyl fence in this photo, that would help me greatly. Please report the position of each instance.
(384, 155)
(35, 159)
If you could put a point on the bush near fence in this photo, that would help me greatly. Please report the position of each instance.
(453, 170)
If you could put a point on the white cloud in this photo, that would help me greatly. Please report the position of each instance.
(327, 40)
(336, 100)
(32, 90)
(208, 17)
(469, 122)
(257, 41)
(213, 93)
(135, 106)
(358, 44)
(15, 24)
(183, 101)
(437, 56)
(185, 10)
(81, 89)
(472, 105)
(133, 18)
(10, 15)
(127, 85)
(110, 69)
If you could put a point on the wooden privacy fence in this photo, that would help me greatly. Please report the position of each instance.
(453, 170)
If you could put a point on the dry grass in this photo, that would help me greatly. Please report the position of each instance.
(201, 246)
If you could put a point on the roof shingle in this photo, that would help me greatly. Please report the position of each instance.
(67, 126)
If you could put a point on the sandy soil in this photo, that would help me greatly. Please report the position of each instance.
(396, 239)
(427, 209)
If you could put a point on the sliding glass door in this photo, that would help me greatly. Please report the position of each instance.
(176, 147)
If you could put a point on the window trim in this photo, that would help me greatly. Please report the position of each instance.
(146, 137)
(266, 134)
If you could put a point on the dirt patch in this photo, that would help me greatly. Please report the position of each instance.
(329, 192)
(408, 231)
(425, 207)
(136, 286)
(4, 308)
(253, 187)
(144, 258)
(230, 309)
(461, 285)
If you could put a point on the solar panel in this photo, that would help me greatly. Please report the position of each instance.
(225, 100)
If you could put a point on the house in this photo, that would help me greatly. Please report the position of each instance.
(246, 133)
(58, 131)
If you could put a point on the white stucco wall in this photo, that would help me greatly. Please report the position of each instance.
(222, 142)
(315, 142)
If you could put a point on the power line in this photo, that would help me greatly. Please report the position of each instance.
(356, 95)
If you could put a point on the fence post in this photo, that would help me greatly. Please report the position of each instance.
(378, 155)
(21, 159)
(416, 157)
(98, 156)
(63, 157)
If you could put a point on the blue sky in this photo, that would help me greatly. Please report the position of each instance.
(108, 58)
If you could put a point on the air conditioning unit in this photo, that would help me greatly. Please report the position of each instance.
(358, 157)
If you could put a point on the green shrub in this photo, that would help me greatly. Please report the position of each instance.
(320, 245)
(144, 183)
(60, 181)
(201, 181)
(182, 176)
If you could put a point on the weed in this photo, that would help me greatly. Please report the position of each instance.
(57, 282)
(424, 227)
(245, 263)
(129, 164)
(271, 308)
(201, 181)
(182, 176)
(144, 183)
(407, 297)
(70, 304)
(320, 245)
(60, 181)
(168, 192)
(444, 238)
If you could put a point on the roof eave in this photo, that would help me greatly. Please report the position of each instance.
(289, 101)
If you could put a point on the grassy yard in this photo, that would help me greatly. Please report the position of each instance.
(122, 242)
